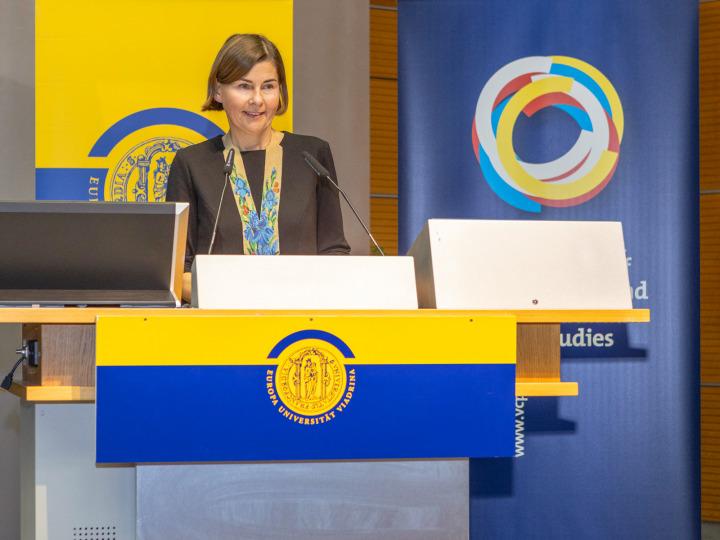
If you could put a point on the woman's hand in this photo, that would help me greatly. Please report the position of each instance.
(187, 287)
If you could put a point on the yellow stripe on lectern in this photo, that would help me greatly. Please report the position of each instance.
(248, 340)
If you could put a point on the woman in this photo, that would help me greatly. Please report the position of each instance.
(247, 81)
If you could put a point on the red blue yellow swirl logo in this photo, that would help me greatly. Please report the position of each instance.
(526, 86)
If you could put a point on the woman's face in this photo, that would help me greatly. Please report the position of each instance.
(251, 102)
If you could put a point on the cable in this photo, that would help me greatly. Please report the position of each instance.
(8, 380)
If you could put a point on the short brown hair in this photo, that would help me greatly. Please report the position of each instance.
(236, 57)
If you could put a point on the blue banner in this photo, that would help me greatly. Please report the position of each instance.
(527, 109)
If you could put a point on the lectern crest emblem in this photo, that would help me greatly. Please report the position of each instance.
(311, 382)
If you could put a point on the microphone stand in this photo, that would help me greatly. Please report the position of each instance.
(227, 169)
(322, 171)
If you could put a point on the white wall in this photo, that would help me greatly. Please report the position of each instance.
(17, 159)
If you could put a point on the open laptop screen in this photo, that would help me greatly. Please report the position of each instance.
(61, 253)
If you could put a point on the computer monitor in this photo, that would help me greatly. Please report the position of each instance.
(518, 265)
(90, 253)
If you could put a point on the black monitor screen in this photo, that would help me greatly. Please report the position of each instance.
(83, 245)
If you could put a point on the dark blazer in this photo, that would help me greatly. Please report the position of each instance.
(309, 219)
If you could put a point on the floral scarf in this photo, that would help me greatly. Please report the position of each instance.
(259, 229)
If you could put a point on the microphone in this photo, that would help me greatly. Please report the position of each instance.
(229, 162)
(227, 169)
(317, 167)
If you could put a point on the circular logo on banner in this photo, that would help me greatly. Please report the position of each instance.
(526, 86)
(137, 152)
(141, 174)
(311, 383)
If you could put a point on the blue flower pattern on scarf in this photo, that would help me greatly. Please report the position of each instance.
(259, 230)
(240, 187)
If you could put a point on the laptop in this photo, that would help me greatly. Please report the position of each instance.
(92, 253)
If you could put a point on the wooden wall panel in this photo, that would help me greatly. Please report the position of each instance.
(709, 95)
(383, 136)
(383, 43)
(710, 453)
(383, 215)
(709, 54)
(383, 124)
(383, 3)
(710, 288)
(710, 355)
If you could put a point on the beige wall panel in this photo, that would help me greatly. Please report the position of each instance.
(17, 182)
(331, 70)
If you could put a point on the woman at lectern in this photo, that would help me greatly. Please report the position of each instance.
(254, 168)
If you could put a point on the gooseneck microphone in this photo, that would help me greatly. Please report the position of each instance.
(316, 166)
(227, 169)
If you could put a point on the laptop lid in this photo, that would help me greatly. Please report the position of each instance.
(69, 253)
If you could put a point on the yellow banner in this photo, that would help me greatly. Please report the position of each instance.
(119, 86)
(251, 339)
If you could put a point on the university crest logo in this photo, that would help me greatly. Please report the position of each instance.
(311, 384)
(139, 150)
(527, 86)
(141, 174)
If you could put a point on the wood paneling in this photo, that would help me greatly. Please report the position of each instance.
(710, 95)
(383, 137)
(383, 3)
(383, 43)
(383, 125)
(709, 55)
(710, 288)
(710, 454)
(383, 223)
